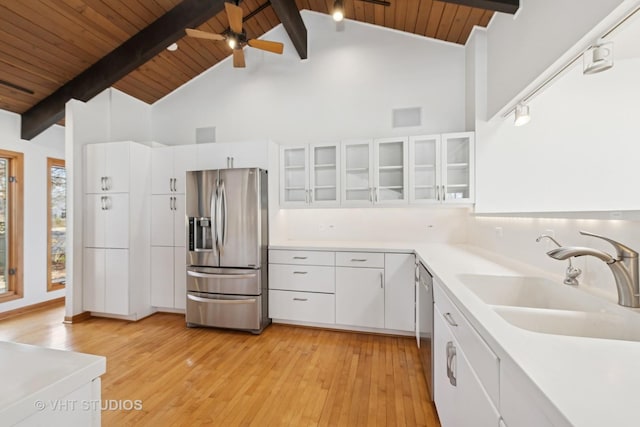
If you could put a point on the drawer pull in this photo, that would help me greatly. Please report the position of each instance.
(299, 257)
(449, 318)
(358, 260)
(299, 272)
(300, 299)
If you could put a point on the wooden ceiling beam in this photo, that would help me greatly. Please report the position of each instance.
(140, 48)
(289, 15)
(505, 6)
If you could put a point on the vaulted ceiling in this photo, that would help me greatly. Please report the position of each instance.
(44, 44)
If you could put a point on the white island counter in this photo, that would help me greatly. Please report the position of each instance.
(41, 386)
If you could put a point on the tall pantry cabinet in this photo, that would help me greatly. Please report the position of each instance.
(116, 232)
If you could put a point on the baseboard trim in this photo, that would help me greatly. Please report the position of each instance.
(77, 318)
(33, 307)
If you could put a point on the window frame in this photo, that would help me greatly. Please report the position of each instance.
(15, 226)
(51, 162)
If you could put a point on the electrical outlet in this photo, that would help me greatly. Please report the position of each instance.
(499, 232)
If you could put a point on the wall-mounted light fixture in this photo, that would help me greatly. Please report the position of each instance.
(338, 10)
(598, 58)
(522, 115)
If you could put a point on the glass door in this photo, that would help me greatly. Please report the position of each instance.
(391, 167)
(424, 174)
(324, 174)
(357, 174)
(293, 173)
(457, 167)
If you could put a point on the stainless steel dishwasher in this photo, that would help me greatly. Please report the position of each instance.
(425, 324)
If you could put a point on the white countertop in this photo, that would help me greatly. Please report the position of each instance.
(29, 373)
(588, 382)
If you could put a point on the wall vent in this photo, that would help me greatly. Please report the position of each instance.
(205, 135)
(407, 117)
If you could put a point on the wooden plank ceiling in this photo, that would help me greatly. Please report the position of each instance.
(46, 43)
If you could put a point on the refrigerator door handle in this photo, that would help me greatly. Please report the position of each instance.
(220, 276)
(213, 210)
(223, 201)
(221, 301)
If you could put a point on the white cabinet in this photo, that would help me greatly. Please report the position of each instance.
(310, 175)
(399, 292)
(169, 166)
(456, 385)
(302, 286)
(360, 290)
(375, 171)
(116, 232)
(107, 168)
(221, 155)
(441, 168)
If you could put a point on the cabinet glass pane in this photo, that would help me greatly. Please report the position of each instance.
(424, 166)
(457, 166)
(324, 173)
(391, 171)
(294, 175)
(357, 172)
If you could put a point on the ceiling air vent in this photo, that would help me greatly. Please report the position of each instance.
(205, 135)
(407, 117)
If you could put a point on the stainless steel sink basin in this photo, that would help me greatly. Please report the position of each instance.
(540, 305)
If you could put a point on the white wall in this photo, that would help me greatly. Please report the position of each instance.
(48, 144)
(346, 89)
(521, 48)
(109, 116)
(475, 77)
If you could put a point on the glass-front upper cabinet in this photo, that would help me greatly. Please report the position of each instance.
(375, 171)
(309, 175)
(441, 168)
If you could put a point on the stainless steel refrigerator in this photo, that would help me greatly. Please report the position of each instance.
(227, 235)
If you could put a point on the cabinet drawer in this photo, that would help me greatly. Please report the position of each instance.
(480, 356)
(309, 278)
(277, 256)
(302, 306)
(360, 259)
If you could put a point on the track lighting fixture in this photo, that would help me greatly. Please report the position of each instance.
(598, 58)
(338, 10)
(522, 115)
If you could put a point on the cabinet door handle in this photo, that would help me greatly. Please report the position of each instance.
(449, 318)
(437, 192)
(299, 272)
(300, 299)
(381, 280)
(358, 259)
(311, 195)
(102, 206)
(375, 194)
(444, 193)
(102, 187)
(451, 354)
(299, 257)
(371, 194)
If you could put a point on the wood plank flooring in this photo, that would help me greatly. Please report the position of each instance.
(288, 376)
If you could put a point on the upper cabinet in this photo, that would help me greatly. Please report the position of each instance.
(244, 154)
(169, 166)
(375, 171)
(310, 175)
(441, 168)
(107, 168)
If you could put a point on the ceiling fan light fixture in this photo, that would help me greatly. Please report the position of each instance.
(232, 42)
(172, 47)
(338, 10)
(522, 115)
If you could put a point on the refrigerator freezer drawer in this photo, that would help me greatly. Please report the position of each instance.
(224, 311)
(224, 280)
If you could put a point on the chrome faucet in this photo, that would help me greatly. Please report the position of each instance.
(624, 267)
(572, 273)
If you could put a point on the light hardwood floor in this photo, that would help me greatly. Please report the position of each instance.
(287, 376)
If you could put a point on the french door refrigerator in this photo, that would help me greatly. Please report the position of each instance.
(227, 235)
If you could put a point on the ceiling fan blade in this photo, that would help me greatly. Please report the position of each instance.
(234, 15)
(275, 47)
(203, 34)
(238, 58)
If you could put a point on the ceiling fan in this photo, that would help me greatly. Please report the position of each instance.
(236, 38)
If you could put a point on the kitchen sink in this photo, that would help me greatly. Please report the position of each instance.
(614, 326)
(541, 305)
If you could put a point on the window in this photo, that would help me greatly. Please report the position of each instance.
(11, 204)
(57, 223)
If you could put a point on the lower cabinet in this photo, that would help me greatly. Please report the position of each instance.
(168, 277)
(106, 281)
(302, 306)
(360, 296)
(460, 398)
